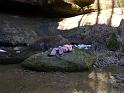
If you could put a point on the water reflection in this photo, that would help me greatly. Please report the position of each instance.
(99, 82)
(14, 79)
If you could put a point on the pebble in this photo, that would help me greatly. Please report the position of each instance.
(104, 62)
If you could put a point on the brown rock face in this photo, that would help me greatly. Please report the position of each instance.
(34, 2)
(83, 3)
(54, 6)
(43, 2)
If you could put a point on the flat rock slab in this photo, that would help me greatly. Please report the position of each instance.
(71, 62)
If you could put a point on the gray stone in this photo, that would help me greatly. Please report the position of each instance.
(47, 42)
(73, 61)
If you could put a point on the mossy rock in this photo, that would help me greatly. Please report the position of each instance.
(113, 43)
(71, 62)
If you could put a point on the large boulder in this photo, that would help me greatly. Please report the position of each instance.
(96, 35)
(81, 3)
(76, 60)
(47, 42)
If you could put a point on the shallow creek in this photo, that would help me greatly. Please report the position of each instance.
(15, 79)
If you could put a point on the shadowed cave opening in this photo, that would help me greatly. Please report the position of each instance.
(32, 10)
(24, 9)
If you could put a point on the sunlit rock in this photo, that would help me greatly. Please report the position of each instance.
(108, 17)
(107, 4)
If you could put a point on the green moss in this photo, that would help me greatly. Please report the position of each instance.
(113, 43)
(79, 56)
(89, 60)
(74, 61)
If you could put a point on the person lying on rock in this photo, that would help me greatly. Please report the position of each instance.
(61, 49)
(69, 47)
(54, 51)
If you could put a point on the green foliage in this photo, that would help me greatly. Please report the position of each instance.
(113, 43)
(80, 56)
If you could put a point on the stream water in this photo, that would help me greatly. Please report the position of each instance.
(15, 79)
